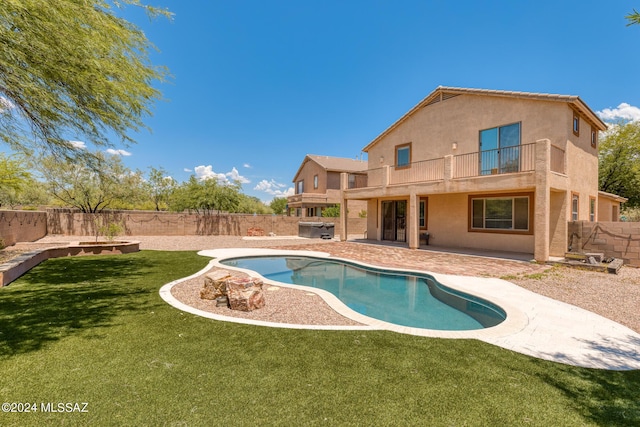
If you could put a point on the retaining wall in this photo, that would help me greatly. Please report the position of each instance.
(615, 239)
(22, 226)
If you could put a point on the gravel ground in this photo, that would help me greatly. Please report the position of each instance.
(616, 297)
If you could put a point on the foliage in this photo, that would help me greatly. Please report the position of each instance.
(633, 18)
(104, 182)
(631, 214)
(73, 68)
(159, 186)
(14, 179)
(94, 329)
(278, 205)
(362, 213)
(619, 162)
(331, 211)
(252, 205)
(205, 196)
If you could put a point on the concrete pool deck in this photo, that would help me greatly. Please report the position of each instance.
(536, 325)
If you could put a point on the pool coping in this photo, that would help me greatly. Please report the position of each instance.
(535, 325)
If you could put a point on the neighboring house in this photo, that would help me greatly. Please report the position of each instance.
(317, 185)
(485, 169)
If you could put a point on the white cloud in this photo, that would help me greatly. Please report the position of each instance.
(207, 172)
(623, 111)
(274, 188)
(5, 104)
(118, 152)
(78, 144)
(246, 165)
(187, 170)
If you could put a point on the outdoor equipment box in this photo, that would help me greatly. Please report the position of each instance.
(316, 230)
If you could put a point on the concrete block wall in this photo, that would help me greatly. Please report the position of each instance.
(614, 239)
(22, 226)
(151, 223)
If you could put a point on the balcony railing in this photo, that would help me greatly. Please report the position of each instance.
(423, 171)
(519, 158)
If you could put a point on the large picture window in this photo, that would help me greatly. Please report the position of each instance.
(501, 213)
(500, 149)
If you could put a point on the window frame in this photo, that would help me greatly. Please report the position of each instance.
(512, 196)
(575, 125)
(500, 149)
(592, 209)
(397, 150)
(594, 137)
(575, 214)
(423, 213)
(315, 182)
(300, 187)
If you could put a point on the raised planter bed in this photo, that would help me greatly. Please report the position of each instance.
(16, 267)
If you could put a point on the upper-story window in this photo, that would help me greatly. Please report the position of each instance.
(500, 149)
(403, 155)
(594, 137)
(576, 124)
(300, 187)
(315, 182)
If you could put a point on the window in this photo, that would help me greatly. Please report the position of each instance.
(352, 181)
(500, 149)
(594, 137)
(300, 187)
(403, 155)
(592, 209)
(423, 214)
(575, 204)
(576, 124)
(501, 213)
(315, 182)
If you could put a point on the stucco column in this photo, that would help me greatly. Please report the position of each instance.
(542, 206)
(385, 176)
(344, 185)
(414, 214)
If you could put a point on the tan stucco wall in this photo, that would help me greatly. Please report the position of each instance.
(605, 209)
(431, 131)
(434, 128)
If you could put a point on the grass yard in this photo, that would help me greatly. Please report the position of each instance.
(95, 330)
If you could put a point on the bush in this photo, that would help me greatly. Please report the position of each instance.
(631, 214)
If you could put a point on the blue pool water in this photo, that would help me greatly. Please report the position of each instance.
(415, 300)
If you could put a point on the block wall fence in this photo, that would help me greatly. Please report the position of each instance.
(614, 239)
(22, 226)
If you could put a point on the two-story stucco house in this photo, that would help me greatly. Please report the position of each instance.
(484, 169)
(317, 184)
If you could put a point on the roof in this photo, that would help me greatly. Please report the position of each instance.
(444, 92)
(612, 196)
(334, 164)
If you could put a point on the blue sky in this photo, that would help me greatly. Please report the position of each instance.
(259, 84)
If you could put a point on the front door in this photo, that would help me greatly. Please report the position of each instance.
(394, 220)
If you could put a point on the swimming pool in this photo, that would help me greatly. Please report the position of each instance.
(407, 299)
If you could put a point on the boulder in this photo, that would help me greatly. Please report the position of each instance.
(244, 293)
(214, 285)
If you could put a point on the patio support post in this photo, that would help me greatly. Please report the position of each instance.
(344, 185)
(542, 206)
(414, 238)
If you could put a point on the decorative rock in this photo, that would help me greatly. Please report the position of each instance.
(214, 285)
(245, 294)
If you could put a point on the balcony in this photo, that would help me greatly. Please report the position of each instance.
(508, 160)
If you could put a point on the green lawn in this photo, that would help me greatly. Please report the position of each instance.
(95, 330)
